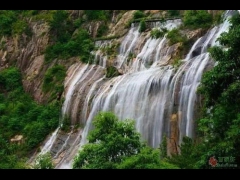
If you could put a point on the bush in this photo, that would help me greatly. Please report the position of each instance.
(44, 161)
(138, 14)
(10, 78)
(53, 80)
(175, 36)
(173, 13)
(112, 72)
(197, 19)
(142, 26)
(103, 28)
(97, 15)
(158, 33)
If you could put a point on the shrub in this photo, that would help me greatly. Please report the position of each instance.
(173, 13)
(175, 36)
(158, 33)
(138, 14)
(111, 72)
(197, 19)
(142, 26)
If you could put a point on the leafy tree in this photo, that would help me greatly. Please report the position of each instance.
(10, 78)
(109, 142)
(220, 88)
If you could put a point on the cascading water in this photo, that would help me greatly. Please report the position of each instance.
(150, 91)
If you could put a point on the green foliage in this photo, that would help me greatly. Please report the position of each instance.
(61, 28)
(10, 78)
(130, 57)
(147, 158)
(79, 45)
(220, 123)
(109, 142)
(187, 158)
(20, 115)
(54, 78)
(175, 36)
(66, 124)
(138, 14)
(103, 28)
(158, 33)
(111, 72)
(197, 19)
(66, 44)
(110, 50)
(218, 18)
(97, 15)
(11, 23)
(173, 13)
(142, 26)
(163, 148)
(7, 18)
(44, 161)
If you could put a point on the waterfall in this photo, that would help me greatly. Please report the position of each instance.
(150, 91)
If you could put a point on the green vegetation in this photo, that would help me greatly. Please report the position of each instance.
(67, 45)
(138, 14)
(20, 115)
(94, 15)
(175, 36)
(53, 81)
(158, 33)
(130, 57)
(66, 124)
(103, 28)
(219, 126)
(197, 19)
(111, 72)
(44, 161)
(115, 144)
(110, 50)
(173, 13)
(187, 157)
(142, 26)
(147, 158)
(11, 23)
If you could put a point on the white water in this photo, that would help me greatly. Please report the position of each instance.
(48, 145)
